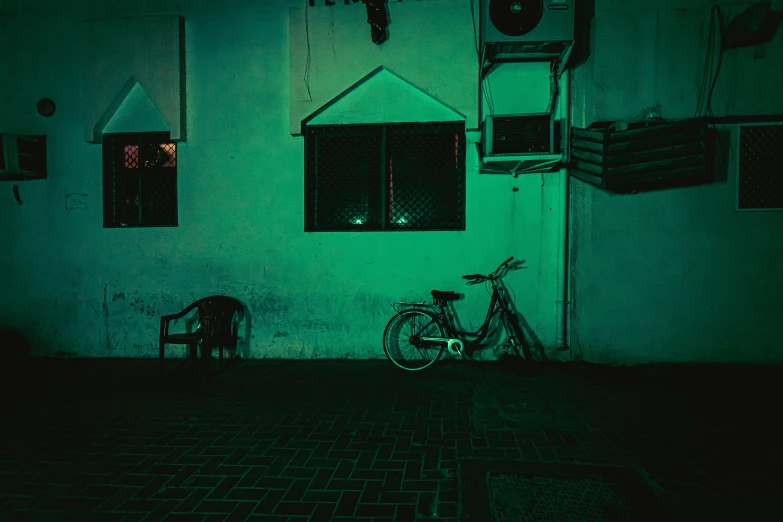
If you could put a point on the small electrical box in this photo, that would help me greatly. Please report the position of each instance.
(22, 157)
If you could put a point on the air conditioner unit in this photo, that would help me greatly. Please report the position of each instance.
(520, 144)
(527, 29)
(523, 134)
(22, 157)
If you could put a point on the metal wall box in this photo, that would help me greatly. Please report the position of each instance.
(22, 157)
(646, 156)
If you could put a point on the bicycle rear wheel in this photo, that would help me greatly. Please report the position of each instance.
(402, 344)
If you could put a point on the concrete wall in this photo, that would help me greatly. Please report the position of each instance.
(675, 275)
(76, 288)
(331, 50)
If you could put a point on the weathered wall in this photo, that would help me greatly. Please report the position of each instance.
(331, 44)
(76, 288)
(675, 275)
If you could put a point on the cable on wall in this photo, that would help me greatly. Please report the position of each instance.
(17, 197)
(307, 63)
(475, 32)
(716, 20)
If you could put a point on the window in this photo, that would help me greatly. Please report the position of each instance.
(397, 176)
(760, 177)
(139, 180)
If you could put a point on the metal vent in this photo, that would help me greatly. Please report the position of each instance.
(645, 156)
(760, 178)
(524, 134)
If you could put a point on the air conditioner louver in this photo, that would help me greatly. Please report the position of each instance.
(522, 134)
(519, 144)
(519, 134)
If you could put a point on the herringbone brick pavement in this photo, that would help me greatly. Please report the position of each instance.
(90, 440)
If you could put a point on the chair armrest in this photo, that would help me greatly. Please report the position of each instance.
(164, 320)
(181, 314)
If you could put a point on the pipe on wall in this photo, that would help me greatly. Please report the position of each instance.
(562, 337)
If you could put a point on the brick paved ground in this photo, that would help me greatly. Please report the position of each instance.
(362, 441)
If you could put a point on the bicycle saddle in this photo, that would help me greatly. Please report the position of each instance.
(444, 296)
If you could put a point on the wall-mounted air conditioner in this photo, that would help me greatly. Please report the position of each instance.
(22, 157)
(520, 144)
(526, 29)
(524, 134)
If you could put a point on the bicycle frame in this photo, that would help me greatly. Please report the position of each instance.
(496, 305)
(437, 314)
(455, 339)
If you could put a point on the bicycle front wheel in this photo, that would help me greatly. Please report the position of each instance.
(402, 340)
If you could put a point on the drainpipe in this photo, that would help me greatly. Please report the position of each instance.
(562, 331)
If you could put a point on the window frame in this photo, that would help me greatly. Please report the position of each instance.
(738, 165)
(381, 208)
(113, 172)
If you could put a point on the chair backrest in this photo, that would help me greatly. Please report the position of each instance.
(216, 315)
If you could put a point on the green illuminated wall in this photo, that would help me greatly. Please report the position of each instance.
(77, 289)
(675, 275)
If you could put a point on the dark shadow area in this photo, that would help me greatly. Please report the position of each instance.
(13, 344)
(769, 28)
(108, 440)
(757, 25)
(584, 13)
(247, 338)
(531, 339)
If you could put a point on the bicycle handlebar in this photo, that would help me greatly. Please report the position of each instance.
(478, 277)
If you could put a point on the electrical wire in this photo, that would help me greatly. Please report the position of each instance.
(707, 64)
(721, 31)
(307, 63)
(475, 31)
(716, 20)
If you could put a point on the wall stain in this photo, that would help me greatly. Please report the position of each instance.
(119, 296)
(317, 326)
(267, 303)
(142, 307)
(75, 201)
(280, 334)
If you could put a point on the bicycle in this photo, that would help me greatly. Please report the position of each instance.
(430, 329)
